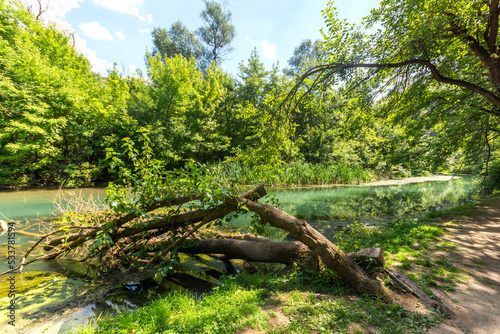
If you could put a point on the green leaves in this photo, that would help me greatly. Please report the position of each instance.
(55, 114)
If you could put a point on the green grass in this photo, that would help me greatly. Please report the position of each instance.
(317, 300)
(310, 300)
(410, 245)
(229, 307)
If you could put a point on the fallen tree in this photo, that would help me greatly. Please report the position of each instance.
(119, 240)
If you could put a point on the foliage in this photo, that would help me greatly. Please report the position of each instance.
(217, 31)
(178, 40)
(294, 173)
(492, 181)
(53, 108)
(424, 65)
(182, 119)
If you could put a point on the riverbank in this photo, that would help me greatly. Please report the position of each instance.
(458, 254)
(309, 281)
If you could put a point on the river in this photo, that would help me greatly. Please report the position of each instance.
(323, 207)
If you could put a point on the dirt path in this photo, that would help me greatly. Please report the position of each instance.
(478, 299)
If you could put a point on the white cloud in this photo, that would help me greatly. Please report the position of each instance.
(247, 37)
(95, 31)
(98, 65)
(120, 35)
(144, 31)
(122, 6)
(268, 50)
(150, 18)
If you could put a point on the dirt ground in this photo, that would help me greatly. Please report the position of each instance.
(477, 301)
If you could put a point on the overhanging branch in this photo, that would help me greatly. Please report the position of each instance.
(327, 69)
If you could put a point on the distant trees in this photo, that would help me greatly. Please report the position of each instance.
(57, 117)
(210, 44)
(217, 32)
(178, 40)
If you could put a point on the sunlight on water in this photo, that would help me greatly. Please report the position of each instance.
(32, 204)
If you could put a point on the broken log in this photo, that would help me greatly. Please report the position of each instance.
(444, 301)
(254, 251)
(411, 287)
(369, 257)
(332, 256)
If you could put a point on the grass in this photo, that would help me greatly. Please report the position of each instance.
(311, 300)
(294, 173)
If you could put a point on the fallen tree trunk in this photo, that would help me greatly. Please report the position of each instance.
(160, 225)
(333, 257)
(254, 251)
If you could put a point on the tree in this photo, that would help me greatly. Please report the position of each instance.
(306, 55)
(217, 32)
(184, 102)
(177, 40)
(253, 78)
(56, 115)
(434, 64)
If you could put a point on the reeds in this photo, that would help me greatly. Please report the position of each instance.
(293, 174)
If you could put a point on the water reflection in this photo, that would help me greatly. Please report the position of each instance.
(343, 205)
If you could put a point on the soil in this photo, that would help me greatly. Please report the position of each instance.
(477, 300)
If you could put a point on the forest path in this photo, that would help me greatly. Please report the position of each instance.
(477, 300)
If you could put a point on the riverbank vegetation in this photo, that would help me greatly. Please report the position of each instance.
(58, 116)
(304, 301)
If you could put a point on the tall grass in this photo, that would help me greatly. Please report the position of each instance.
(293, 174)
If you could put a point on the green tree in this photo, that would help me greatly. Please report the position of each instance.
(177, 40)
(253, 79)
(217, 32)
(185, 101)
(432, 64)
(56, 115)
(305, 56)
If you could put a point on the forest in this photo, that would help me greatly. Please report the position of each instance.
(187, 146)
(305, 124)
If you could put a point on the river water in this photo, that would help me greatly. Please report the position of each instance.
(323, 207)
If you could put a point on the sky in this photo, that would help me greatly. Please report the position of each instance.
(119, 31)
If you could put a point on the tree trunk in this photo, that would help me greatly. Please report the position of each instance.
(254, 251)
(333, 257)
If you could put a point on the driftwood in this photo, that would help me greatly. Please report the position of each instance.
(444, 301)
(369, 257)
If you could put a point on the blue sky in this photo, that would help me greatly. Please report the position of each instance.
(119, 31)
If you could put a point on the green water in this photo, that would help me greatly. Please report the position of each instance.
(33, 204)
(341, 203)
(325, 208)
(48, 283)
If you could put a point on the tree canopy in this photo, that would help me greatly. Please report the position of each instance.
(217, 32)
(431, 64)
